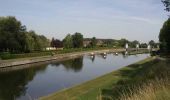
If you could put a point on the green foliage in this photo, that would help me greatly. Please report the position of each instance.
(137, 75)
(68, 41)
(133, 43)
(122, 42)
(93, 42)
(77, 40)
(164, 37)
(166, 4)
(152, 44)
(143, 45)
(11, 35)
(15, 39)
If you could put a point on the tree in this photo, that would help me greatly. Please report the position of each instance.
(52, 42)
(143, 45)
(56, 43)
(77, 40)
(68, 41)
(166, 4)
(122, 42)
(152, 43)
(12, 37)
(134, 43)
(164, 37)
(35, 42)
(93, 42)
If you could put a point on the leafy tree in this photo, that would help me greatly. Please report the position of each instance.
(52, 42)
(29, 42)
(15, 38)
(108, 42)
(166, 4)
(143, 45)
(123, 42)
(11, 34)
(58, 43)
(77, 40)
(134, 43)
(68, 41)
(152, 43)
(164, 37)
(93, 42)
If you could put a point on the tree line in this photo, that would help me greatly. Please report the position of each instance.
(15, 38)
(77, 41)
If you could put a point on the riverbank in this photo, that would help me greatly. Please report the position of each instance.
(57, 57)
(121, 84)
(91, 89)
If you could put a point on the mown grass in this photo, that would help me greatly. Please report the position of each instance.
(108, 86)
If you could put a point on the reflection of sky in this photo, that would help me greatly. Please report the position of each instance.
(132, 19)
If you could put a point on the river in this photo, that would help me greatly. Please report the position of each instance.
(43, 79)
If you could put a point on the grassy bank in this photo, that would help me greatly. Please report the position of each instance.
(121, 84)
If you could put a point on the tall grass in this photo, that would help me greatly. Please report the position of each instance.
(153, 90)
(147, 81)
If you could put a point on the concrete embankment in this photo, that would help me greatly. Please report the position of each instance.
(58, 57)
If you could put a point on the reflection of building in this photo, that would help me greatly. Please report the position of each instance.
(137, 46)
(50, 48)
(53, 48)
(126, 46)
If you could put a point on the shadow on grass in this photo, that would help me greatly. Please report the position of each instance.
(135, 75)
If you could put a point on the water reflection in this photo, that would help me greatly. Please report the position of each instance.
(92, 57)
(13, 84)
(33, 81)
(75, 64)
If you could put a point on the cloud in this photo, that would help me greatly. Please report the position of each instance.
(115, 17)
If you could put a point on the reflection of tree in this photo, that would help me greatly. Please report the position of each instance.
(74, 64)
(13, 84)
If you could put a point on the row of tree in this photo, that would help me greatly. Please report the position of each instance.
(70, 41)
(15, 38)
(77, 41)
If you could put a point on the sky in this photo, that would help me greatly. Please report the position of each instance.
(114, 19)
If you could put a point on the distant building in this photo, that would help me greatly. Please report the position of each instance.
(86, 42)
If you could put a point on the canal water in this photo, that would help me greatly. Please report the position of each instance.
(42, 80)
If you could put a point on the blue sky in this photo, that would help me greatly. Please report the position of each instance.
(131, 19)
